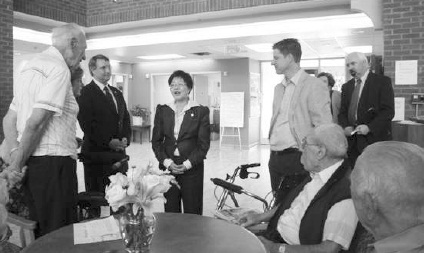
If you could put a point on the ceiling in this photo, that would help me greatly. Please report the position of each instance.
(321, 26)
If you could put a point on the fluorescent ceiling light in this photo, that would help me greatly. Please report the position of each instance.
(333, 62)
(161, 57)
(114, 61)
(261, 48)
(328, 24)
(31, 36)
(361, 49)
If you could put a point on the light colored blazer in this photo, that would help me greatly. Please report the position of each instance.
(310, 106)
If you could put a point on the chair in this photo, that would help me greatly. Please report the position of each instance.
(22, 230)
(89, 204)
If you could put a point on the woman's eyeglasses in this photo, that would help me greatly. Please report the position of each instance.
(175, 85)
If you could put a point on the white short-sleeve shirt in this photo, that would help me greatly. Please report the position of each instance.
(45, 83)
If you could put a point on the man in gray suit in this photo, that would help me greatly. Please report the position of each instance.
(301, 102)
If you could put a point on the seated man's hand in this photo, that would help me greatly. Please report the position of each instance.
(249, 219)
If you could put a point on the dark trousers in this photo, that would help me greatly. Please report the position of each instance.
(51, 187)
(191, 192)
(284, 163)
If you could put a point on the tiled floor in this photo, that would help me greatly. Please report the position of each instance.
(218, 163)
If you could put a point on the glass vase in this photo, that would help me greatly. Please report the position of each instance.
(137, 229)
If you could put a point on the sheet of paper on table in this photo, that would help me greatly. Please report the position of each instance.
(99, 230)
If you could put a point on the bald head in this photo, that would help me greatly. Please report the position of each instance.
(70, 40)
(357, 64)
(388, 187)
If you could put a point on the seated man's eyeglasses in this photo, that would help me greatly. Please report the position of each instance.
(305, 143)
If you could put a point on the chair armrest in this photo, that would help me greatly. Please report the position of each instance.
(21, 222)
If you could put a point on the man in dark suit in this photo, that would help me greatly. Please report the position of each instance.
(367, 106)
(105, 121)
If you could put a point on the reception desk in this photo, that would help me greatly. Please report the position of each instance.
(408, 132)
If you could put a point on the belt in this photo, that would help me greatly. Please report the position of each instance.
(285, 151)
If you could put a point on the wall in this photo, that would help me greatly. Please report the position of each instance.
(61, 10)
(6, 56)
(102, 12)
(254, 122)
(237, 80)
(404, 40)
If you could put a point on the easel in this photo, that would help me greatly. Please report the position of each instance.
(222, 130)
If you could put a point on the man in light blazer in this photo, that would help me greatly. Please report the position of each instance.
(368, 118)
(301, 102)
(105, 121)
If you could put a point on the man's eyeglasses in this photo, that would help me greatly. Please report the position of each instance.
(305, 143)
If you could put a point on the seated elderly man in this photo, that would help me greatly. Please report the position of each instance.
(388, 194)
(318, 215)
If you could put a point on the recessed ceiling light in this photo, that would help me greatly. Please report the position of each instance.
(261, 48)
(362, 49)
(161, 57)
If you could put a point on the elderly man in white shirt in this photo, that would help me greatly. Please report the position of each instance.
(40, 128)
(318, 215)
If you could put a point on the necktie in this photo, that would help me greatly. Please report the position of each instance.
(353, 107)
(109, 97)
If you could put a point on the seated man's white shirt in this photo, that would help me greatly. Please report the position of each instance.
(45, 83)
(341, 220)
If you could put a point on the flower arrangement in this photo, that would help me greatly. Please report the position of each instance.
(139, 111)
(138, 187)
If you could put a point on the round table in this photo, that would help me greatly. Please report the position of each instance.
(176, 233)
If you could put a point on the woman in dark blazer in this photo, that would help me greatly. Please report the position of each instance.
(180, 141)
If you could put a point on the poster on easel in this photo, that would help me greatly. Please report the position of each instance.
(232, 109)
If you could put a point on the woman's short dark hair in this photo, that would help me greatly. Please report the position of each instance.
(183, 75)
(330, 78)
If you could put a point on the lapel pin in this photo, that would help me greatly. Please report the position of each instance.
(192, 115)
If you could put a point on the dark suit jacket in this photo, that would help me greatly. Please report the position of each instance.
(101, 122)
(193, 139)
(375, 107)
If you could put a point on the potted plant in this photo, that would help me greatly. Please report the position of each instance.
(139, 114)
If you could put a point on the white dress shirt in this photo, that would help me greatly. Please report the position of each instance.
(281, 136)
(102, 86)
(341, 220)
